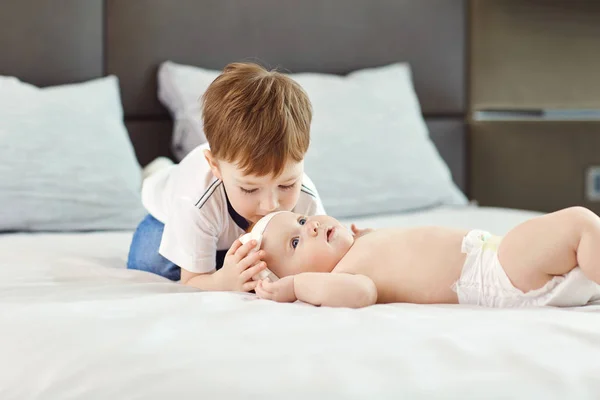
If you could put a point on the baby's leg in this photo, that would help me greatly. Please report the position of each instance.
(553, 244)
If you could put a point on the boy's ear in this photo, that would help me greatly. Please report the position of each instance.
(213, 164)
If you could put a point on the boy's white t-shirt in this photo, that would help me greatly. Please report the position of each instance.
(199, 221)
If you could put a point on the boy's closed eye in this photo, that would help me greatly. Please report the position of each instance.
(248, 191)
(282, 187)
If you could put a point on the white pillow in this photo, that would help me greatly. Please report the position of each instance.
(370, 150)
(66, 159)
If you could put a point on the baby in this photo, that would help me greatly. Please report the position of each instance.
(551, 260)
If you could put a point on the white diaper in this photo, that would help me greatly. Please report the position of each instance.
(483, 280)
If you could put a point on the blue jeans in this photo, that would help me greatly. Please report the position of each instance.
(143, 253)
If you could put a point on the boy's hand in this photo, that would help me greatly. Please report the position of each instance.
(360, 232)
(239, 267)
(281, 291)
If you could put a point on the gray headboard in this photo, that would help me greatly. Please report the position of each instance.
(62, 41)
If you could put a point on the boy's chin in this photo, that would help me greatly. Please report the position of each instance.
(253, 219)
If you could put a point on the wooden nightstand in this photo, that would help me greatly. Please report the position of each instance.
(533, 65)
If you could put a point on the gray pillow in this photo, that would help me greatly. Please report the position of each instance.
(66, 160)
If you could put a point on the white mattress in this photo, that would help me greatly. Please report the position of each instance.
(74, 324)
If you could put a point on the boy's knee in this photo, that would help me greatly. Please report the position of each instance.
(138, 259)
(146, 261)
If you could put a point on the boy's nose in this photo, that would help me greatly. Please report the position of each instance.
(269, 204)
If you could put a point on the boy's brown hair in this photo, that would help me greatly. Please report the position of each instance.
(257, 119)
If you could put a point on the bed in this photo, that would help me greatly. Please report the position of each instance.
(74, 323)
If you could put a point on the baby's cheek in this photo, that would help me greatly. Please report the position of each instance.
(317, 261)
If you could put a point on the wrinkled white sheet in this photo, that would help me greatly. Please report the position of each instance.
(74, 324)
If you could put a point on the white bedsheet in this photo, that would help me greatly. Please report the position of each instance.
(74, 324)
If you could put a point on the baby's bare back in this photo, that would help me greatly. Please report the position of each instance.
(416, 265)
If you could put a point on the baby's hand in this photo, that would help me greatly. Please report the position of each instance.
(281, 291)
(360, 232)
(239, 267)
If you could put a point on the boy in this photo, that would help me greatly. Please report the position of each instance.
(257, 125)
(551, 260)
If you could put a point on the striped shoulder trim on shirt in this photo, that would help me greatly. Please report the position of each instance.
(209, 192)
(308, 191)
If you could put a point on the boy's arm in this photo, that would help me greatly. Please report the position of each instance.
(236, 274)
(189, 240)
(322, 289)
(205, 281)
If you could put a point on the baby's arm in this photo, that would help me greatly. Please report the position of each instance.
(335, 289)
(322, 289)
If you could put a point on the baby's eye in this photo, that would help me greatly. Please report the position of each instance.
(302, 221)
(295, 242)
